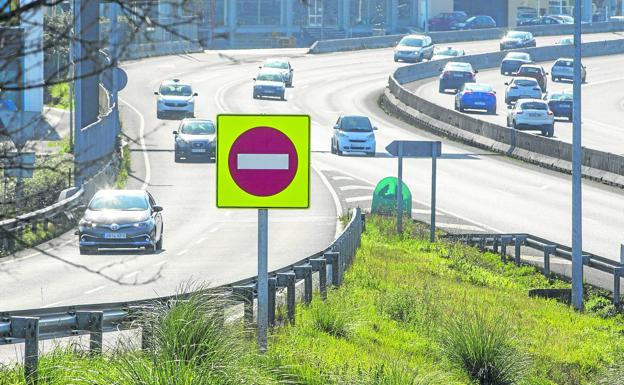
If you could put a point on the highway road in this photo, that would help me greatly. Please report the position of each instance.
(602, 105)
(217, 246)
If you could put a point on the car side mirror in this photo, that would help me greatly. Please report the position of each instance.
(476, 71)
(254, 79)
(545, 73)
(494, 92)
(375, 128)
(155, 92)
(259, 66)
(175, 132)
(157, 208)
(506, 83)
(336, 127)
(195, 94)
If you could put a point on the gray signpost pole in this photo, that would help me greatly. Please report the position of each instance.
(434, 157)
(399, 192)
(577, 200)
(263, 279)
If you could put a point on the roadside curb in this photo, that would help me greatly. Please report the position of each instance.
(393, 106)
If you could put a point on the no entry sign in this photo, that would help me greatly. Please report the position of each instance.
(263, 161)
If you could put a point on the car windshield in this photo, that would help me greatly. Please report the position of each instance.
(448, 52)
(525, 83)
(529, 70)
(176, 90)
(356, 124)
(270, 77)
(561, 96)
(411, 42)
(516, 35)
(276, 64)
(118, 201)
(198, 128)
(478, 87)
(471, 19)
(519, 56)
(534, 106)
(564, 63)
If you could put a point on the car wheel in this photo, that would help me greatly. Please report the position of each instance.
(159, 115)
(159, 244)
(508, 123)
(460, 107)
(338, 150)
(332, 149)
(514, 125)
(584, 80)
(492, 111)
(441, 89)
(551, 131)
(371, 154)
(86, 250)
(255, 96)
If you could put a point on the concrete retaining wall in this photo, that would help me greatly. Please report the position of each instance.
(144, 50)
(326, 46)
(398, 100)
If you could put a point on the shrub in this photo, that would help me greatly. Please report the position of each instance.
(416, 307)
(329, 318)
(482, 346)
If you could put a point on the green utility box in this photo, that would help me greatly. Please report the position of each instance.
(384, 198)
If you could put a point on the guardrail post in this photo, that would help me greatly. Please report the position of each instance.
(548, 251)
(246, 293)
(520, 239)
(305, 273)
(495, 244)
(618, 272)
(288, 280)
(363, 221)
(333, 259)
(320, 265)
(92, 321)
(505, 240)
(28, 329)
(272, 288)
(482, 244)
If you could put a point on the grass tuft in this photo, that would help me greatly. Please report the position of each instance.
(329, 318)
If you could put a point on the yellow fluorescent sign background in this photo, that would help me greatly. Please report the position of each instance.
(296, 128)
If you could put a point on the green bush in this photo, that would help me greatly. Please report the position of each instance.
(328, 317)
(482, 345)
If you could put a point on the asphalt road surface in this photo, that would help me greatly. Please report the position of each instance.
(487, 190)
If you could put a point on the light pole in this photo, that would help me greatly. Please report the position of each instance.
(577, 197)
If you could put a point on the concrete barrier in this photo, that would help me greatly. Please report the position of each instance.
(400, 101)
(353, 44)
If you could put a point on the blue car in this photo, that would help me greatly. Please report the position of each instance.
(476, 96)
(561, 104)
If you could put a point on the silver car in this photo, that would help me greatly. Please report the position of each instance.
(269, 83)
(522, 88)
(532, 114)
(563, 69)
(414, 48)
(195, 138)
(281, 65)
(175, 97)
(121, 219)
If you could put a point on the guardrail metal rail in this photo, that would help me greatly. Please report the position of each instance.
(31, 326)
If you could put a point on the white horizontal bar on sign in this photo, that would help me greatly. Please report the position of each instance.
(262, 161)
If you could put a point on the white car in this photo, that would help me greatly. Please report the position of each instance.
(447, 53)
(522, 88)
(532, 114)
(281, 65)
(353, 133)
(175, 97)
(269, 83)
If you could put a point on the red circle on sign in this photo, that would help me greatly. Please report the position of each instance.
(263, 161)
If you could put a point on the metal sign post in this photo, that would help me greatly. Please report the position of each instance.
(263, 279)
(263, 162)
(399, 192)
(577, 199)
(416, 149)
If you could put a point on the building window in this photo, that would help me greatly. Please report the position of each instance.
(368, 13)
(259, 12)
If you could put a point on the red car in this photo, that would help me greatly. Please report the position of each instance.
(444, 20)
(536, 72)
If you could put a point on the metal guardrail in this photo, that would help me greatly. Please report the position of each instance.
(500, 242)
(31, 326)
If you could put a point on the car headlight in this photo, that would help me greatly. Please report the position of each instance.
(86, 224)
(181, 142)
(371, 137)
(143, 225)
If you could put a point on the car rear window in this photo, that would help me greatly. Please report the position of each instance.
(525, 82)
(534, 106)
(518, 56)
(478, 87)
(454, 66)
(529, 70)
(559, 97)
(564, 63)
(412, 42)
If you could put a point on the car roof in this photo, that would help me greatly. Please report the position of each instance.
(279, 59)
(458, 65)
(485, 85)
(517, 55)
(531, 66)
(273, 71)
(415, 36)
(121, 192)
(565, 59)
(189, 120)
(174, 81)
(523, 78)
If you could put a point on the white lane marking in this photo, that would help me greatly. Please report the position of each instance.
(148, 171)
(342, 178)
(214, 230)
(132, 274)
(459, 226)
(262, 161)
(53, 304)
(359, 199)
(200, 240)
(159, 264)
(95, 289)
(182, 252)
(335, 198)
(355, 187)
(19, 259)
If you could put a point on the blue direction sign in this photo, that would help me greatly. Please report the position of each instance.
(415, 148)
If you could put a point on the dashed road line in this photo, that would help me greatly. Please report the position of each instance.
(53, 304)
(358, 199)
(182, 252)
(214, 230)
(159, 264)
(426, 212)
(349, 188)
(148, 171)
(95, 289)
(200, 240)
(130, 275)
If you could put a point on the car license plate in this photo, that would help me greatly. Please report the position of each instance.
(534, 115)
(115, 235)
(458, 75)
(479, 103)
(198, 150)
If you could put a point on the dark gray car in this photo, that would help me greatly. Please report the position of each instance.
(121, 219)
(195, 138)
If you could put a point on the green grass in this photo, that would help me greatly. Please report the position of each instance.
(418, 313)
(59, 94)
